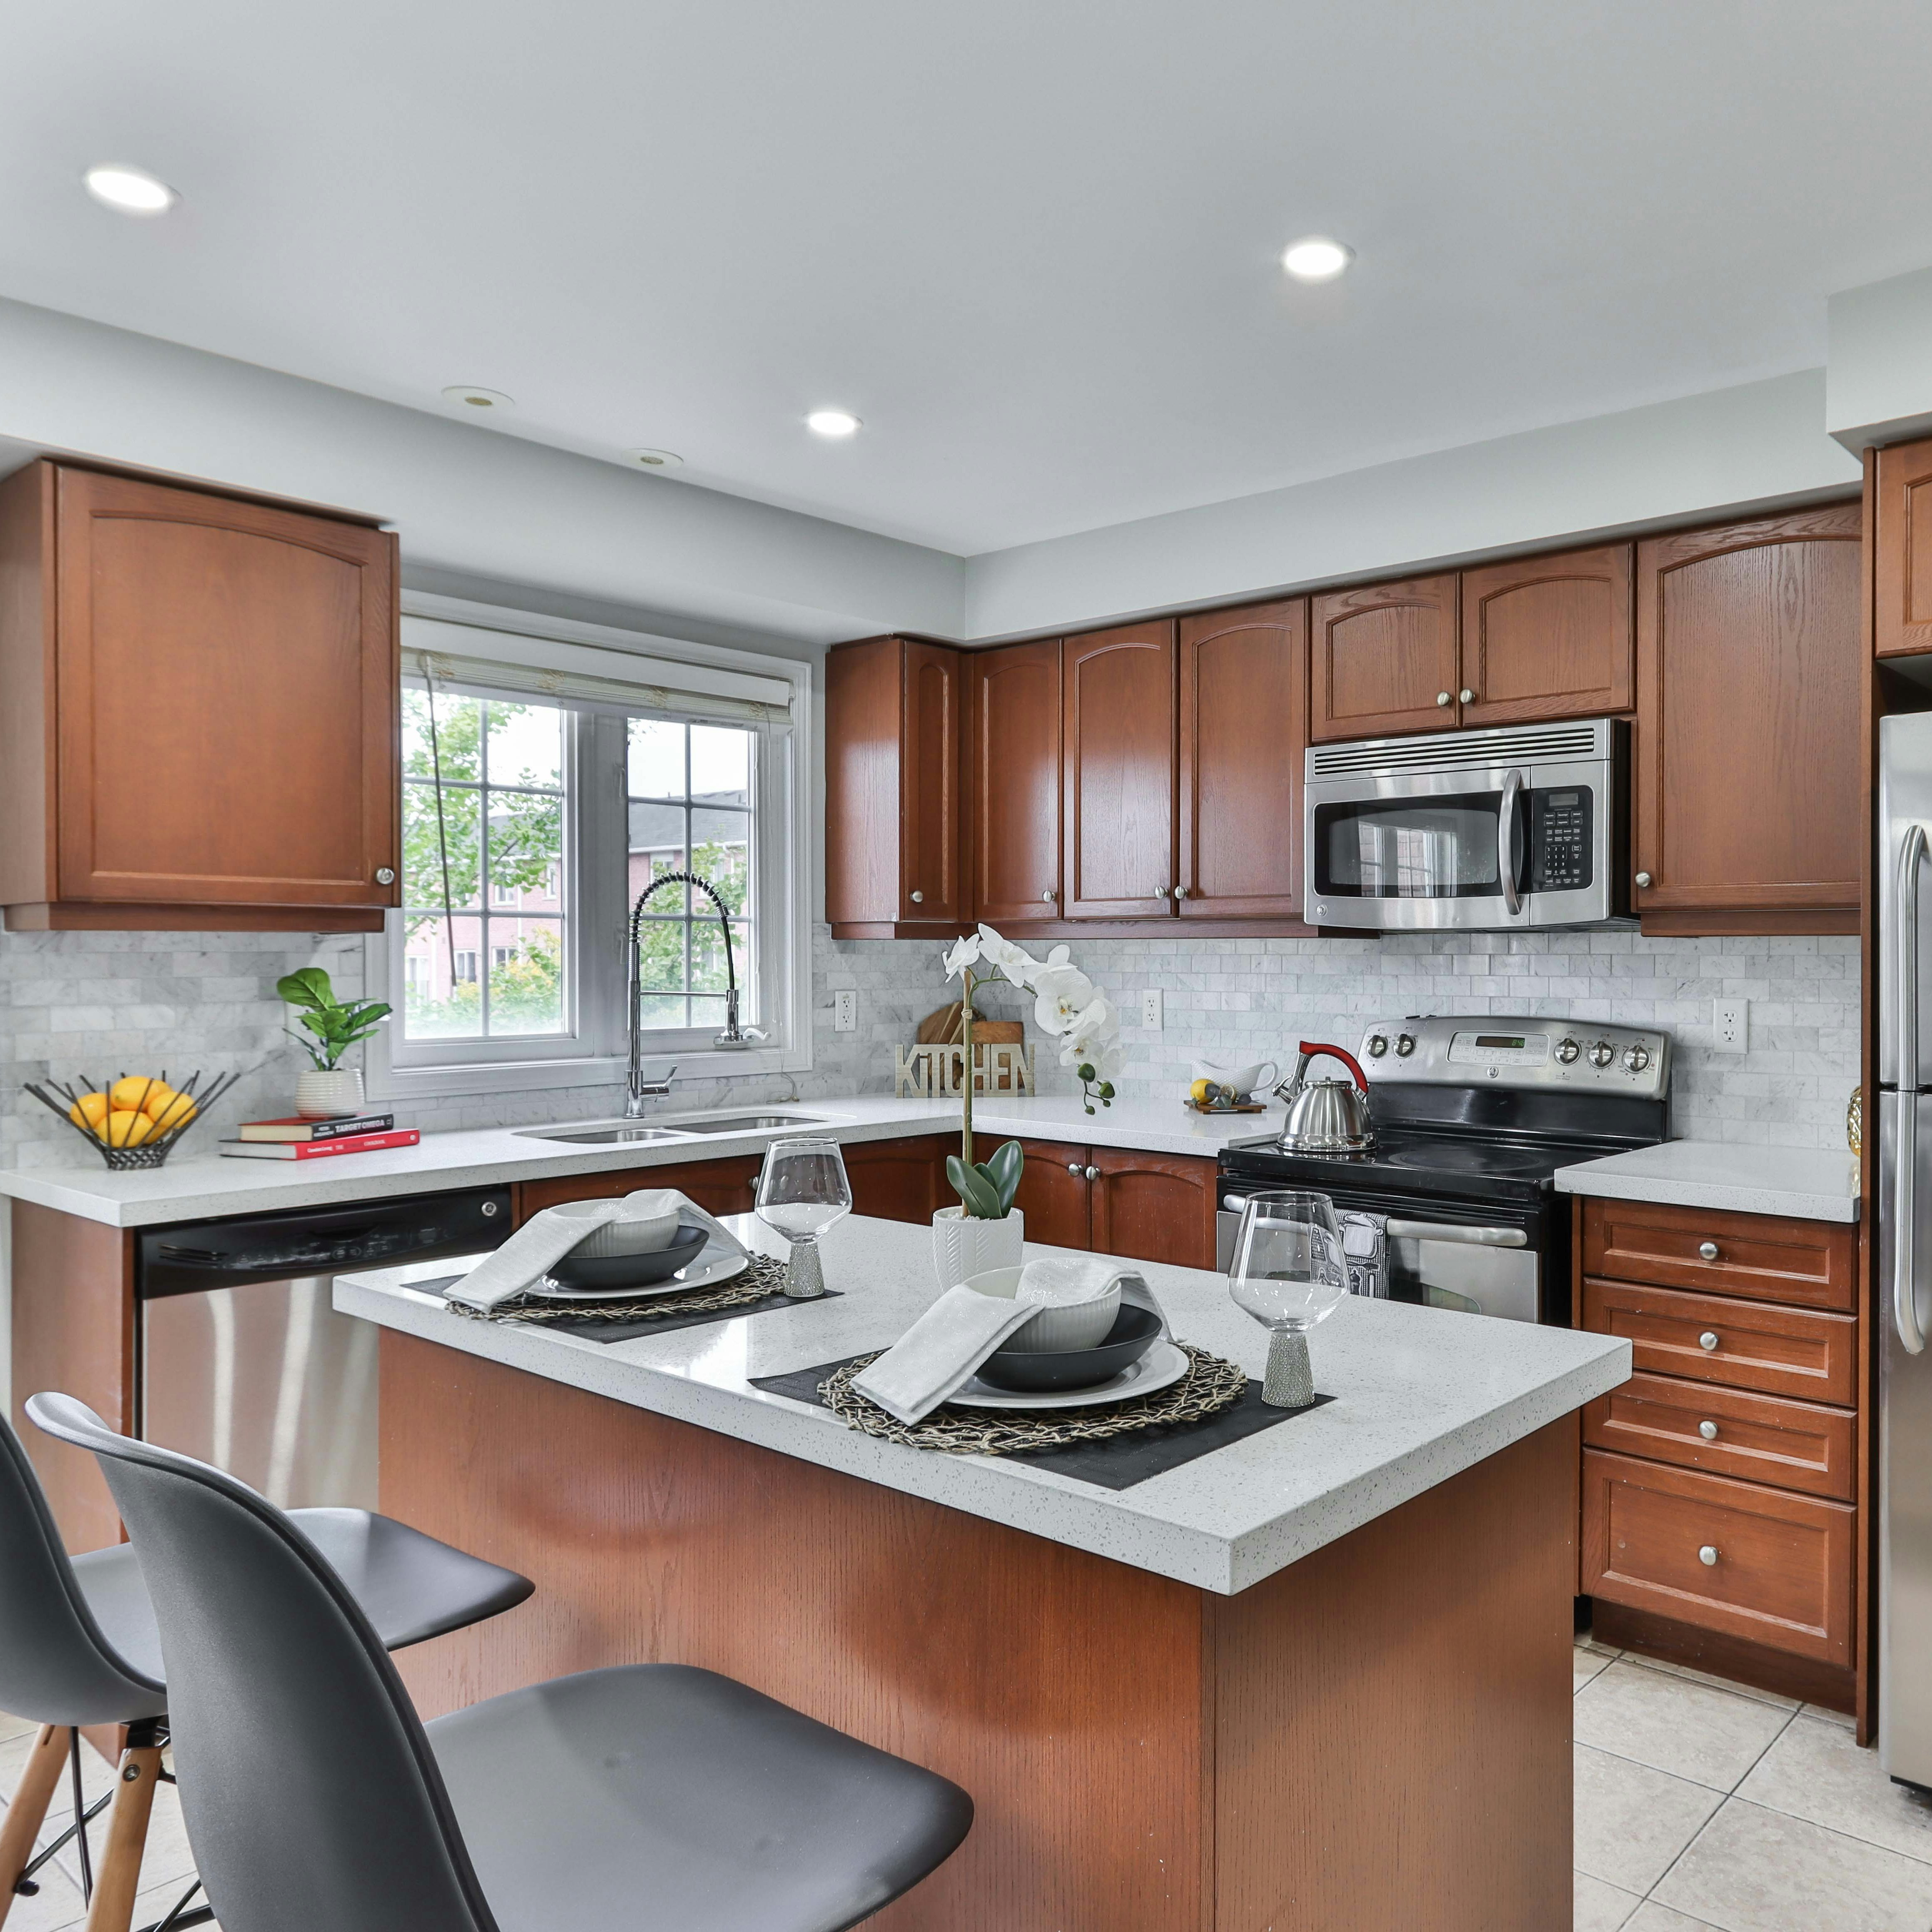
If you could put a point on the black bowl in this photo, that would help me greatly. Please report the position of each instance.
(630, 1270)
(1025, 1371)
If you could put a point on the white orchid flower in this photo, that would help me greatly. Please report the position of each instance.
(1060, 955)
(1014, 961)
(965, 952)
(1064, 993)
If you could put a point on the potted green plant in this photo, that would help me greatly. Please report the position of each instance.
(327, 1089)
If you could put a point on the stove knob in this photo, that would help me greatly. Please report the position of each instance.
(1567, 1051)
(1602, 1054)
(1377, 1046)
(1404, 1044)
(1636, 1058)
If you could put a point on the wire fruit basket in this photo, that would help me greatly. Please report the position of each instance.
(167, 1109)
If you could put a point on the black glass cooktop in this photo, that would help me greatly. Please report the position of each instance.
(1476, 1166)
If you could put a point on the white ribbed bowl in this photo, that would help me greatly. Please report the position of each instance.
(1053, 1331)
(644, 1235)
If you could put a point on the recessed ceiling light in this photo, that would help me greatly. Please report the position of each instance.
(654, 459)
(1316, 259)
(832, 422)
(129, 190)
(472, 396)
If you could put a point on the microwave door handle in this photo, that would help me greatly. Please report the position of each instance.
(1506, 842)
(1399, 1230)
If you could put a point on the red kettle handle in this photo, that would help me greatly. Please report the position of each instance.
(1313, 1047)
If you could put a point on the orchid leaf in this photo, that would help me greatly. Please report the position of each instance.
(1003, 1170)
(976, 1193)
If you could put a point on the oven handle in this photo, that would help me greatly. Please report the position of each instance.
(1506, 842)
(1450, 1231)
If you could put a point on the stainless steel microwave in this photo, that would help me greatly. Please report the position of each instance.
(1520, 828)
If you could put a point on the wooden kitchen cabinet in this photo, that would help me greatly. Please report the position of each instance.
(1382, 659)
(726, 1186)
(1055, 1194)
(1548, 637)
(900, 1179)
(1154, 1206)
(198, 710)
(1750, 749)
(893, 732)
(1117, 723)
(1013, 781)
(1244, 679)
(1902, 550)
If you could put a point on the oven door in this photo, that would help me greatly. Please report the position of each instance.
(1475, 848)
(1479, 1269)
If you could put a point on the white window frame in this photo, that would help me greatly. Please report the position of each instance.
(596, 921)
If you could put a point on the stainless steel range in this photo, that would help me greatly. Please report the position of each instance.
(1453, 1204)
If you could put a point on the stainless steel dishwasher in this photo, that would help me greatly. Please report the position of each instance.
(242, 1360)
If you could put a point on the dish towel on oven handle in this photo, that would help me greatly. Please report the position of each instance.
(547, 1236)
(940, 1354)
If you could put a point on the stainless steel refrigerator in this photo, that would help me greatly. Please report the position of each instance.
(1903, 1292)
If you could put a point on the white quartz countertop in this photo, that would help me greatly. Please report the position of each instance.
(1808, 1182)
(1420, 1394)
(206, 1186)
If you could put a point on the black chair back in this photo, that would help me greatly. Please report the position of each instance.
(56, 1666)
(309, 1790)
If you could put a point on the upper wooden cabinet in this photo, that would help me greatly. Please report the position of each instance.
(1749, 668)
(1547, 637)
(1382, 659)
(1902, 551)
(1117, 727)
(892, 733)
(1243, 677)
(199, 700)
(1013, 746)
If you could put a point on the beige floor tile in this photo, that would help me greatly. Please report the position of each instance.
(1586, 1663)
(1843, 1718)
(57, 1904)
(1588, 1642)
(150, 1904)
(1817, 1771)
(1652, 1917)
(1601, 1907)
(1756, 1870)
(1719, 1683)
(11, 1726)
(1632, 1821)
(1675, 1724)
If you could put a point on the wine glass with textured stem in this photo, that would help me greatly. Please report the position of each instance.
(802, 1189)
(1288, 1273)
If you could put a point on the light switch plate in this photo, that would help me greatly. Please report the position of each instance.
(845, 1012)
(1731, 1020)
(1150, 1009)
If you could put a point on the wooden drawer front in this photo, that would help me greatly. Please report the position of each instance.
(1783, 1576)
(1765, 1256)
(1764, 1438)
(1780, 1350)
(728, 1186)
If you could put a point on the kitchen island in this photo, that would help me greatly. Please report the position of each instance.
(1317, 1678)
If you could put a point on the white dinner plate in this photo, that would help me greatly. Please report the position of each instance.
(707, 1271)
(1161, 1367)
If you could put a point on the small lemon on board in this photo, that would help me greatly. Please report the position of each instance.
(129, 1092)
(169, 1110)
(89, 1111)
(127, 1127)
(1202, 1092)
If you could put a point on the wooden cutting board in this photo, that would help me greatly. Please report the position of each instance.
(946, 1028)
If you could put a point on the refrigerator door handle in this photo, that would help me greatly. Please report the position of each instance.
(1911, 853)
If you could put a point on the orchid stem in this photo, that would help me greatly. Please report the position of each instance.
(966, 1034)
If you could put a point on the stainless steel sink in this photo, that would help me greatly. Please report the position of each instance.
(751, 1123)
(623, 1133)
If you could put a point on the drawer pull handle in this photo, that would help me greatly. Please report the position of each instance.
(1708, 1430)
(1708, 1555)
(1709, 1339)
(1708, 1249)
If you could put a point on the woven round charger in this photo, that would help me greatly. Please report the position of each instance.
(763, 1280)
(1210, 1385)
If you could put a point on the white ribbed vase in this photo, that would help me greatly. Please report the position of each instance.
(321, 1096)
(962, 1246)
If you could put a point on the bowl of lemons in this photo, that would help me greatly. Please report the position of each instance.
(133, 1120)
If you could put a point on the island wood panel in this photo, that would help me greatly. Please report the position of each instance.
(1751, 664)
(1766, 1257)
(1548, 637)
(1055, 1194)
(74, 1330)
(1117, 766)
(1155, 1207)
(1311, 1755)
(1013, 772)
(1243, 677)
(726, 1186)
(1382, 658)
(1902, 550)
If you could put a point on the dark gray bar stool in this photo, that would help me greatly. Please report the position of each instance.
(79, 1645)
(654, 1798)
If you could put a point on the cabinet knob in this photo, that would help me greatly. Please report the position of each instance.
(1442, 697)
(1708, 1555)
(1074, 1168)
(1708, 1430)
(1049, 896)
(1468, 696)
(489, 1209)
(1643, 878)
(1093, 1173)
(1708, 1249)
(1707, 1340)
(1180, 892)
(385, 875)
(919, 899)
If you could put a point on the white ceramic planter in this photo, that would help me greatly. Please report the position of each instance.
(322, 1097)
(962, 1246)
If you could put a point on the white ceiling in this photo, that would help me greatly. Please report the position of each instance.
(1033, 243)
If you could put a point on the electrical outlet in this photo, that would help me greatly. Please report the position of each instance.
(845, 1012)
(1732, 1019)
(1150, 1009)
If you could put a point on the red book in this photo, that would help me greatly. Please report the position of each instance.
(317, 1150)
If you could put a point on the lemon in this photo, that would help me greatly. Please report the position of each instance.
(1202, 1091)
(169, 1110)
(88, 1111)
(128, 1128)
(129, 1092)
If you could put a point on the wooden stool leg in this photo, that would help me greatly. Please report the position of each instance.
(22, 1824)
(119, 1877)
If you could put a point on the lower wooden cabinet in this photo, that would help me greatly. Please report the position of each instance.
(728, 1186)
(1055, 1195)
(901, 1180)
(1154, 1206)
(1764, 1257)
(1771, 1568)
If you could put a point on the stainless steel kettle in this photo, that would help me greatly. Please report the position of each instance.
(1326, 1116)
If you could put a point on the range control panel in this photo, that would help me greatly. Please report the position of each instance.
(1578, 1056)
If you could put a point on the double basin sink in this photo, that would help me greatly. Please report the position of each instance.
(624, 1133)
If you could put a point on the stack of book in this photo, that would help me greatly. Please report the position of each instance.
(309, 1140)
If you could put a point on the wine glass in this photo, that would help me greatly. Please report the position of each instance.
(1288, 1274)
(802, 1190)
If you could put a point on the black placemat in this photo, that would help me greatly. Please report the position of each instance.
(1121, 1461)
(596, 1331)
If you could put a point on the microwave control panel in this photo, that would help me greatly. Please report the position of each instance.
(1559, 839)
